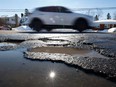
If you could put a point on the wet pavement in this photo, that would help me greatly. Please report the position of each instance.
(57, 60)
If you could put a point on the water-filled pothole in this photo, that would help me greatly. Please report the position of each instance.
(62, 50)
(14, 67)
(68, 50)
(85, 58)
(17, 42)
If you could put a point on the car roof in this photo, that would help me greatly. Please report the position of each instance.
(50, 7)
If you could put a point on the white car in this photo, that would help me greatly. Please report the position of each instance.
(50, 17)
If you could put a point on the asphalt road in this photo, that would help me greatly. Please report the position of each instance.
(76, 59)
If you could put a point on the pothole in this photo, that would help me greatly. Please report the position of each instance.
(68, 50)
(87, 59)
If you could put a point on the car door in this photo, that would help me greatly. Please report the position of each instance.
(49, 15)
(55, 16)
(66, 16)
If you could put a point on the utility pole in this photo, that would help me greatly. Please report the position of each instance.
(16, 20)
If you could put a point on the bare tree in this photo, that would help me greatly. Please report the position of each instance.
(95, 12)
(16, 20)
(99, 13)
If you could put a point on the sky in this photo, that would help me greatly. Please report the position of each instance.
(30, 4)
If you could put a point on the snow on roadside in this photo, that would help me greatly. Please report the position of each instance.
(23, 28)
(89, 30)
(105, 22)
(63, 30)
(105, 30)
(112, 29)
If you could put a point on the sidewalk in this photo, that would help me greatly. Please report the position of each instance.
(8, 32)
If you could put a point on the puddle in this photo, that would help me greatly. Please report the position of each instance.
(13, 42)
(16, 71)
(87, 59)
(69, 51)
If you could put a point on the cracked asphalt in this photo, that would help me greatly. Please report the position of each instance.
(92, 52)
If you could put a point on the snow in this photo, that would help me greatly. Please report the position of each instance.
(112, 29)
(7, 44)
(27, 28)
(23, 28)
(59, 30)
(105, 21)
(89, 30)
(63, 30)
(105, 30)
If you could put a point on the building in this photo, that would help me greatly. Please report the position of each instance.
(13, 21)
(104, 24)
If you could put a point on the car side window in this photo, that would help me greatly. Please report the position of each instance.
(64, 10)
(44, 9)
(49, 9)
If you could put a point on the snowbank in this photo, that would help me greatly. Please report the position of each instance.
(112, 29)
(105, 22)
(23, 28)
(89, 30)
(28, 29)
(63, 30)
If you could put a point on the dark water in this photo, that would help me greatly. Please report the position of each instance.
(16, 71)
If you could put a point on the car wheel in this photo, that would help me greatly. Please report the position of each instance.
(80, 25)
(36, 25)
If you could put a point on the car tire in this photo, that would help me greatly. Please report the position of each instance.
(36, 25)
(80, 25)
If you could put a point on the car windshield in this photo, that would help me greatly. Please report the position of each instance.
(52, 46)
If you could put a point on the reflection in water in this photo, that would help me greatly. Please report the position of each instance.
(52, 74)
(16, 71)
(63, 50)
